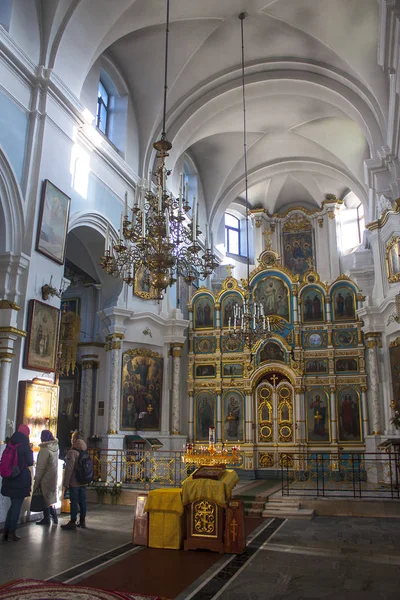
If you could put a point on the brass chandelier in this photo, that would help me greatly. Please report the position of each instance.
(249, 323)
(157, 233)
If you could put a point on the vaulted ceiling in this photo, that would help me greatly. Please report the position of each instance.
(316, 98)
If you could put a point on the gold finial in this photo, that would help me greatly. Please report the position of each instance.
(310, 263)
(267, 236)
(229, 268)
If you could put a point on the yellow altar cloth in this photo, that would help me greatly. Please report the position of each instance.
(166, 523)
(214, 490)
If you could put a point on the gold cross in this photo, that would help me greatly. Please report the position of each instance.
(274, 379)
(267, 236)
(310, 262)
(234, 528)
(229, 268)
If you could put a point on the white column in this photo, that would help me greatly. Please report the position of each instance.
(5, 371)
(176, 373)
(373, 340)
(191, 417)
(364, 405)
(114, 348)
(295, 307)
(334, 431)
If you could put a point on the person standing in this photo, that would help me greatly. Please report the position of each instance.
(19, 487)
(46, 475)
(77, 490)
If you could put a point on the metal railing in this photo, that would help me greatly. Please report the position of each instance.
(143, 469)
(342, 475)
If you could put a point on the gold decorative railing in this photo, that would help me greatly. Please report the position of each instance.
(346, 474)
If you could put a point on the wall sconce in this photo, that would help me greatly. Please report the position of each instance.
(49, 290)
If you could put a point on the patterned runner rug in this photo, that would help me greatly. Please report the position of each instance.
(30, 589)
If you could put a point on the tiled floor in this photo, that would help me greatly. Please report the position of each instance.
(328, 557)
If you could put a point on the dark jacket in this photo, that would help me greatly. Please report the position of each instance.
(20, 486)
(72, 462)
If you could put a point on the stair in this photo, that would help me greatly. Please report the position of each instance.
(286, 508)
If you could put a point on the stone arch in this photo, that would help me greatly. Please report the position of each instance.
(11, 203)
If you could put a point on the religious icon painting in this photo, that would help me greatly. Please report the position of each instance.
(203, 312)
(347, 337)
(312, 305)
(314, 339)
(141, 390)
(233, 414)
(232, 370)
(349, 415)
(343, 303)
(393, 259)
(318, 415)
(231, 345)
(230, 303)
(346, 365)
(41, 346)
(272, 294)
(271, 351)
(204, 371)
(205, 415)
(204, 345)
(298, 254)
(317, 366)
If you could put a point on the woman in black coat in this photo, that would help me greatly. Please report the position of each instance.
(18, 488)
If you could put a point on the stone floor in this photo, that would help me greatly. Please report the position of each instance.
(345, 558)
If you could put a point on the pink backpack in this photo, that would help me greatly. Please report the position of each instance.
(9, 466)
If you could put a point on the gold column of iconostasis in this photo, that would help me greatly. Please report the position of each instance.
(303, 387)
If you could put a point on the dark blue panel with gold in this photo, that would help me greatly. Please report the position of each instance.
(314, 339)
(346, 365)
(349, 415)
(230, 344)
(204, 345)
(271, 351)
(345, 338)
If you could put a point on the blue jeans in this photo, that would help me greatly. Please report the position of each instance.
(13, 514)
(78, 497)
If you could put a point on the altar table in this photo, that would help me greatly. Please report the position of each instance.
(166, 520)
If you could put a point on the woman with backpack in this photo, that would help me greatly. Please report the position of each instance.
(77, 489)
(16, 459)
(46, 476)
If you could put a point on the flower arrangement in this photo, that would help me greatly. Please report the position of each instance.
(115, 491)
(102, 489)
(395, 420)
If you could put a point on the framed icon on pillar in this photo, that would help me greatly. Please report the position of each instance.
(42, 339)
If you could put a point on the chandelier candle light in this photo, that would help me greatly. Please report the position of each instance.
(211, 455)
(157, 233)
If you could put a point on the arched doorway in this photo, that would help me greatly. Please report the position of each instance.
(274, 398)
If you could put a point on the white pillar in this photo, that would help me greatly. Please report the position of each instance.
(364, 405)
(114, 348)
(373, 341)
(176, 373)
(5, 370)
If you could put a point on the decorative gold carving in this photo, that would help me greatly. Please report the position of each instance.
(394, 241)
(267, 237)
(7, 304)
(112, 432)
(296, 208)
(113, 346)
(297, 223)
(383, 219)
(286, 460)
(204, 518)
(373, 339)
(321, 222)
(143, 352)
(115, 336)
(331, 214)
(266, 459)
(264, 266)
(176, 348)
(395, 343)
(6, 356)
(90, 364)
(13, 330)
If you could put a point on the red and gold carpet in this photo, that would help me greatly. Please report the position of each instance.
(31, 589)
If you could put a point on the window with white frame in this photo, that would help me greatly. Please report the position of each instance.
(352, 224)
(103, 100)
(232, 234)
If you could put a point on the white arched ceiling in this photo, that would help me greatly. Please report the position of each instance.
(316, 98)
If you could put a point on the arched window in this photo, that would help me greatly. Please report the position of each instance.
(103, 100)
(352, 223)
(232, 234)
